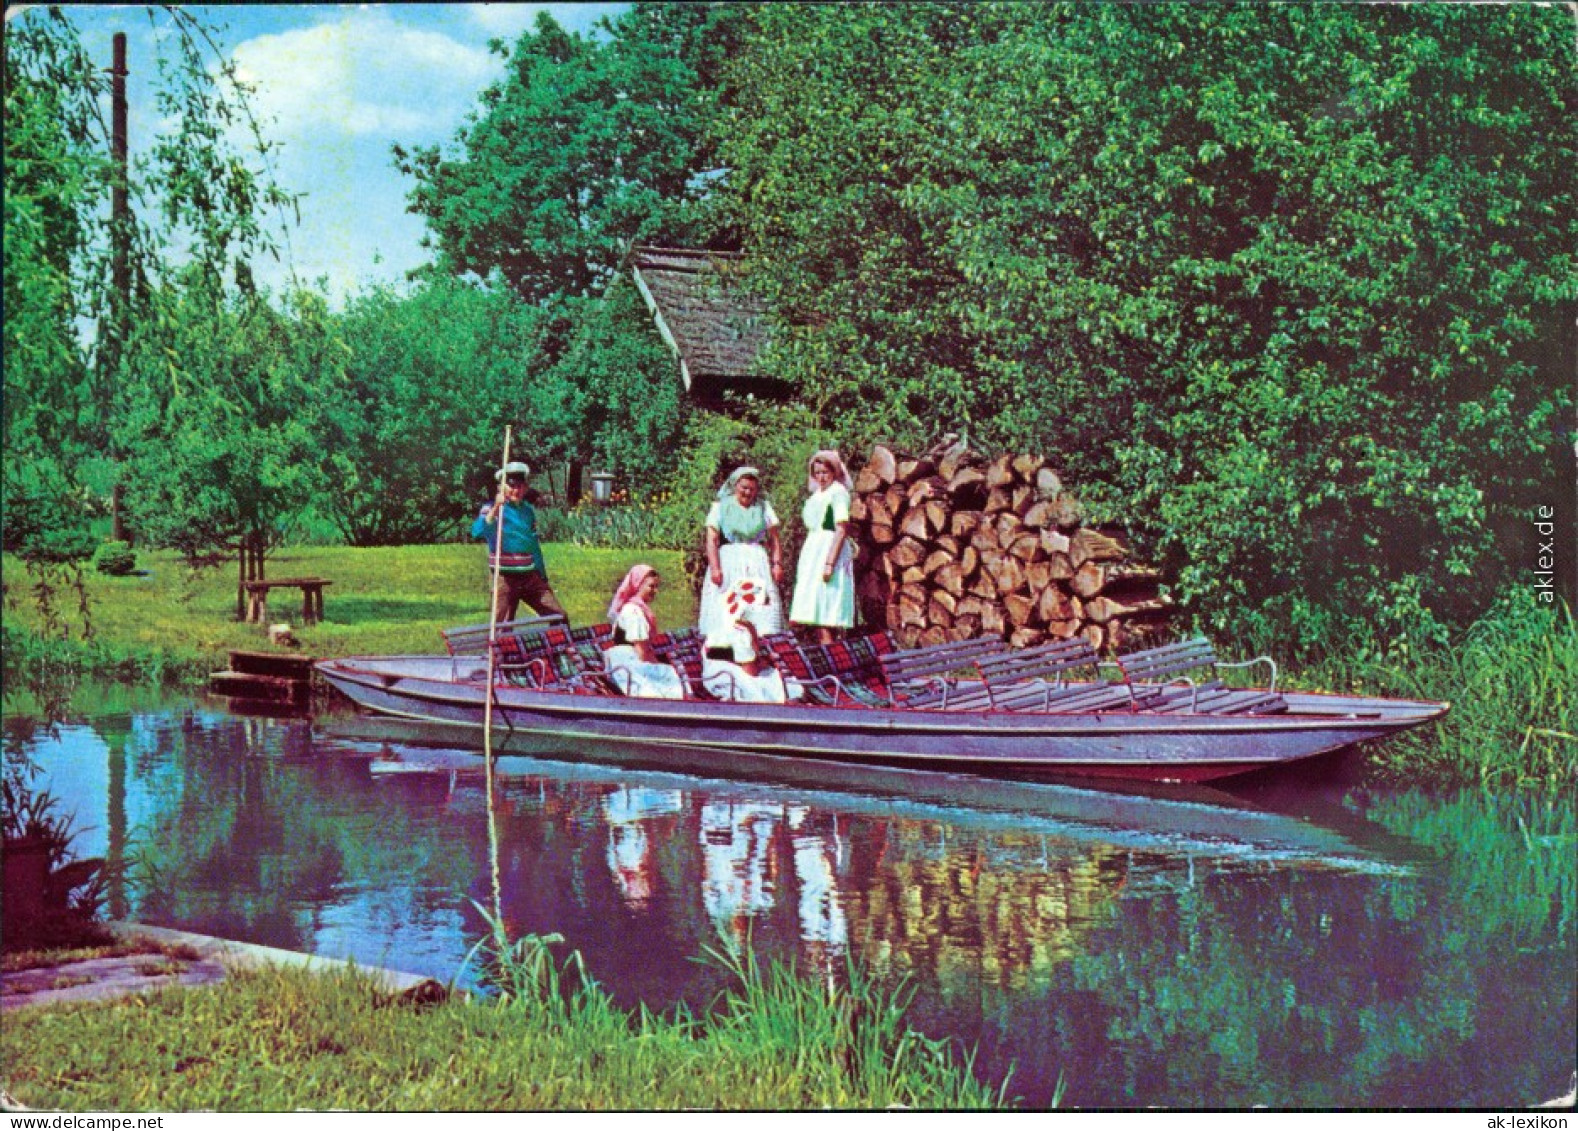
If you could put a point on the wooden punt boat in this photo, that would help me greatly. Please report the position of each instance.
(1027, 722)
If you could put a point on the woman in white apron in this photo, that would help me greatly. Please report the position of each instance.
(742, 542)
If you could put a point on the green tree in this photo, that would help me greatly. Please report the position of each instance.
(586, 147)
(75, 368)
(1283, 288)
(411, 422)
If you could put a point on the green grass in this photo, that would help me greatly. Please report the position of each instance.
(173, 622)
(1512, 680)
(285, 1039)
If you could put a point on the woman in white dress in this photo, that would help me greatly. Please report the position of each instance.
(731, 667)
(631, 663)
(742, 541)
(824, 588)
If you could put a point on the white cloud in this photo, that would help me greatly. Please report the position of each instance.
(364, 72)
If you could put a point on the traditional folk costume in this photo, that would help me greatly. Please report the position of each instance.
(633, 622)
(742, 553)
(817, 601)
(726, 651)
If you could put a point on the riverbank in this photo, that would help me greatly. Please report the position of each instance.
(324, 1036)
(1509, 677)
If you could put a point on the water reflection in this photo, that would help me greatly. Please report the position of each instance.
(1363, 948)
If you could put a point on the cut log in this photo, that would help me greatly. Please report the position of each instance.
(1000, 472)
(1026, 467)
(967, 488)
(942, 599)
(1048, 485)
(969, 560)
(936, 560)
(1008, 527)
(881, 533)
(931, 637)
(880, 470)
(1056, 541)
(937, 613)
(962, 524)
(1091, 546)
(1027, 547)
(952, 460)
(924, 490)
(1063, 629)
(951, 578)
(992, 622)
(1054, 605)
(912, 575)
(998, 499)
(1007, 573)
(1040, 516)
(1026, 637)
(914, 525)
(907, 552)
(1103, 609)
(1062, 568)
(1088, 579)
(937, 514)
(981, 585)
(1021, 609)
(1066, 511)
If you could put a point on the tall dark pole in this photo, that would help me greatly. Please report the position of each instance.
(120, 250)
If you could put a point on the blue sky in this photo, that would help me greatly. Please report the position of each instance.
(338, 84)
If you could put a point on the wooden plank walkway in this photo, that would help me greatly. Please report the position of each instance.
(104, 979)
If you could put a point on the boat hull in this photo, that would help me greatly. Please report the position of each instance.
(1114, 745)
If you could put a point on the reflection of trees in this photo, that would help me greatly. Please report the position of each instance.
(1309, 988)
(1002, 909)
(245, 830)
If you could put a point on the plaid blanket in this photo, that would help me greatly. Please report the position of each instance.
(855, 662)
(555, 657)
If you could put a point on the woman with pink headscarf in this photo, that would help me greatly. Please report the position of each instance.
(631, 663)
(824, 590)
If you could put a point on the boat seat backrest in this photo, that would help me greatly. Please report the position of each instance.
(472, 640)
(1044, 662)
(1172, 663)
(911, 664)
(682, 650)
(843, 673)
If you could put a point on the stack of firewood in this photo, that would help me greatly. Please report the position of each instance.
(953, 545)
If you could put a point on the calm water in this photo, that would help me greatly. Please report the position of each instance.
(1312, 945)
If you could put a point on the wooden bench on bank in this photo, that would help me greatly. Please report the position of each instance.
(311, 597)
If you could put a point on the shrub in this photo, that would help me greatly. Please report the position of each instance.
(117, 559)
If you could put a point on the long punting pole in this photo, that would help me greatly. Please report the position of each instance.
(487, 710)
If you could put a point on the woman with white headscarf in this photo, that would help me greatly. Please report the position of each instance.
(824, 588)
(732, 662)
(742, 542)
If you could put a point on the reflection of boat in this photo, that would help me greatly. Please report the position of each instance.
(1196, 820)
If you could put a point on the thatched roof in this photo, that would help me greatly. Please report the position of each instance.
(714, 328)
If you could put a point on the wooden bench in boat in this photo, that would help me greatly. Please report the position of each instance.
(915, 676)
(1037, 679)
(1151, 676)
(472, 639)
